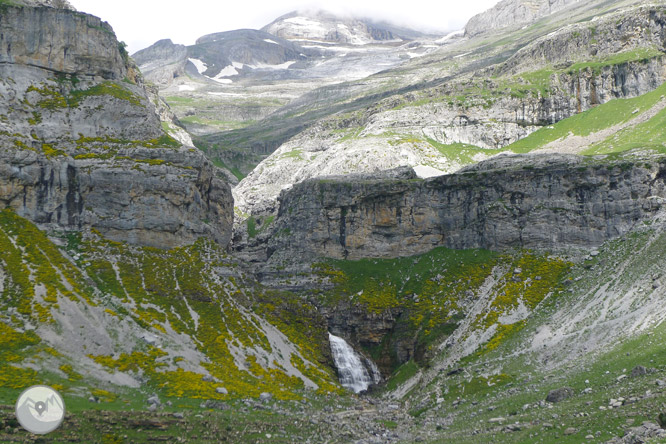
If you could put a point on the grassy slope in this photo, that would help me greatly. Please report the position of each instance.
(435, 292)
(596, 119)
(521, 382)
(158, 292)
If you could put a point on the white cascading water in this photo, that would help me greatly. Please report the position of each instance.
(352, 373)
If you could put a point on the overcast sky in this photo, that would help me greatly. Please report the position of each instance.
(140, 23)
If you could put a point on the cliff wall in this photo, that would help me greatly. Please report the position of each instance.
(546, 202)
(82, 144)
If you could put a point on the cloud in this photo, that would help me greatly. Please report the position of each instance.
(143, 22)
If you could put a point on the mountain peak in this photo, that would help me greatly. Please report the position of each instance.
(321, 25)
(513, 12)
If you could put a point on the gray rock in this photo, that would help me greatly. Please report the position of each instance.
(570, 431)
(116, 172)
(152, 407)
(154, 400)
(353, 220)
(560, 394)
(217, 405)
(639, 370)
(512, 13)
(23, 32)
(222, 390)
(178, 415)
(265, 397)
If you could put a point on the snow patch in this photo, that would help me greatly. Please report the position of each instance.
(425, 171)
(306, 23)
(227, 71)
(237, 65)
(200, 65)
(271, 41)
(448, 37)
(185, 88)
(284, 65)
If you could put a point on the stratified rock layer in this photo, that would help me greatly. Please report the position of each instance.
(513, 12)
(82, 145)
(547, 202)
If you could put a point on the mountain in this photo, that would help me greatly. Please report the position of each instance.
(218, 86)
(514, 13)
(479, 227)
(219, 57)
(322, 26)
(481, 101)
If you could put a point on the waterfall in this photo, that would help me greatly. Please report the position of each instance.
(352, 367)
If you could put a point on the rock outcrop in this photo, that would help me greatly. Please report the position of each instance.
(83, 146)
(162, 62)
(61, 41)
(537, 86)
(512, 13)
(534, 201)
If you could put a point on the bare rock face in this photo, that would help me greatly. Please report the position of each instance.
(162, 62)
(60, 4)
(60, 40)
(513, 12)
(82, 145)
(534, 201)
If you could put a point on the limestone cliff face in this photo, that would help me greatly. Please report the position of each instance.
(82, 145)
(162, 62)
(60, 40)
(547, 202)
(513, 12)
(638, 29)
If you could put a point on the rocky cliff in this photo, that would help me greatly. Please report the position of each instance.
(83, 146)
(438, 129)
(162, 62)
(512, 13)
(546, 202)
(60, 40)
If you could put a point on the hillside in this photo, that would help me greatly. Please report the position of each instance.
(452, 239)
(469, 106)
(234, 80)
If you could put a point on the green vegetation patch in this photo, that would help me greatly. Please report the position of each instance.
(636, 55)
(646, 135)
(177, 290)
(52, 99)
(112, 89)
(596, 119)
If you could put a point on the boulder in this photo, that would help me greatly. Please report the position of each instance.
(559, 394)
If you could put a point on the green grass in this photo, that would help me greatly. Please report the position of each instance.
(646, 135)
(235, 171)
(293, 154)
(461, 152)
(404, 373)
(601, 117)
(636, 55)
